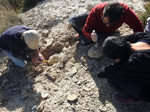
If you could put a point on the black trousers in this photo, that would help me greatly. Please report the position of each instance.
(130, 88)
(78, 22)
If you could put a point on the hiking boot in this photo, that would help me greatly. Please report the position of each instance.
(124, 100)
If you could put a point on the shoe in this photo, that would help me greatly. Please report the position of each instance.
(120, 99)
(76, 36)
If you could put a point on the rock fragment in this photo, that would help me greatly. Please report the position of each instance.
(72, 97)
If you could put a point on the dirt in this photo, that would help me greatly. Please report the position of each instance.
(68, 83)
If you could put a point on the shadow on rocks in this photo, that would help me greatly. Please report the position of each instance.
(92, 66)
(16, 89)
(105, 91)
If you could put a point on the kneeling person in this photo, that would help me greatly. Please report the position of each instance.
(17, 39)
(130, 75)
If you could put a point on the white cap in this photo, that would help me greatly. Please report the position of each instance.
(31, 38)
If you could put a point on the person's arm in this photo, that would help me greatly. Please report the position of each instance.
(116, 70)
(132, 38)
(132, 20)
(37, 57)
(21, 56)
(89, 25)
(108, 72)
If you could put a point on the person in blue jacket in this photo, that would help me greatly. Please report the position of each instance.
(16, 40)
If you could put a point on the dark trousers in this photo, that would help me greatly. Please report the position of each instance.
(78, 22)
(130, 88)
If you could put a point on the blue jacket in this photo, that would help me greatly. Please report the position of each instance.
(11, 40)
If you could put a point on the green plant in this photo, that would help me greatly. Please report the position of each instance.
(143, 17)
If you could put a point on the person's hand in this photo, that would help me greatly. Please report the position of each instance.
(117, 60)
(94, 36)
(38, 58)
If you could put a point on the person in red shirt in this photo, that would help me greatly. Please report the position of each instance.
(105, 18)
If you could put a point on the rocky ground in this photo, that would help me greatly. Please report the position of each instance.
(68, 83)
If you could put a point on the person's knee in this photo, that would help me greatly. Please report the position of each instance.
(21, 65)
(72, 21)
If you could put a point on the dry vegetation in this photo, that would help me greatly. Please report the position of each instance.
(9, 10)
(143, 17)
(8, 17)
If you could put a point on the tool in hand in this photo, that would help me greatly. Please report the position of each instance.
(44, 60)
(94, 37)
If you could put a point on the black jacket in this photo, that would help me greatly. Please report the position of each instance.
(134, 67)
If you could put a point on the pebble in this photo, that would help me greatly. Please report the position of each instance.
(82, 59)
(75, 80)
(34, 107)
(45, 95)
(85, 68)
(72, 97)
(24, 94)
(53, 59)
(45, 33)
(61, 65)
(72, 72)
(86, 88)
(94, 52)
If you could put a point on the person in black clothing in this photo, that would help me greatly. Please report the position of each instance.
(17, 39)
(130, 74)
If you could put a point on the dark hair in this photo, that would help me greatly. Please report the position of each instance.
(113, 11)
(116, 47)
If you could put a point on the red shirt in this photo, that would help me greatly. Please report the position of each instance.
(94, 21)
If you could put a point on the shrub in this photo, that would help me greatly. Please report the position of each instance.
(143, 17)
(29, 3)
(9, 10)
(8, 17)
(20, 5)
